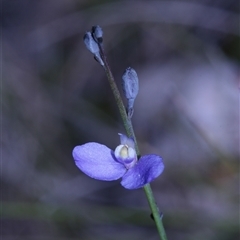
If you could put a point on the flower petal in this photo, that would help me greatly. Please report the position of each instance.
(124, 140)
(146, 170)
(97, 161)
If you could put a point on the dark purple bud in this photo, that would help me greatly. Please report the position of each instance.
(97, 33)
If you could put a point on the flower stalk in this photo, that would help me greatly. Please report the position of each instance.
(130, 132)
(131, 179)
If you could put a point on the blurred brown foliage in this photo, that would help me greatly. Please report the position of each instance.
(55, 96)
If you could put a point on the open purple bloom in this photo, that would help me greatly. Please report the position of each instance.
(101, 163)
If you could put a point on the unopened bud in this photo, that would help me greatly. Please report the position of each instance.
(130, 88)
(93, 47)
(97, 33)
(90, 43)
(130, 83)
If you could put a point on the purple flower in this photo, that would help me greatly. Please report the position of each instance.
(101, 163)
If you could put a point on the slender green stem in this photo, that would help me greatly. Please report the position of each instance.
(126, 120)
(157, 218)
(130, 132)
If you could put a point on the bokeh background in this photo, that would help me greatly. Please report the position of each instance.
(55, 96)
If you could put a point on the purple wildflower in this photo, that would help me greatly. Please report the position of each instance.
(101, 163)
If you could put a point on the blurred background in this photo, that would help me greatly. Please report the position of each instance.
(55, 96)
